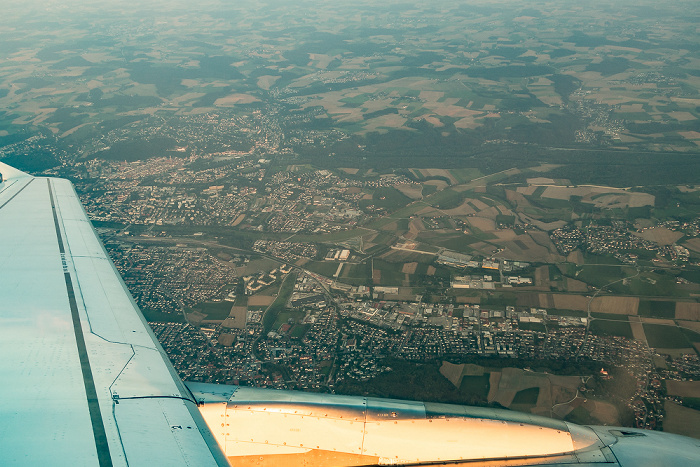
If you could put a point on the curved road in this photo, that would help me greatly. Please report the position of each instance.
(588, 309)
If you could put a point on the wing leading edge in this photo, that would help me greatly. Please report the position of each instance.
(84, 380)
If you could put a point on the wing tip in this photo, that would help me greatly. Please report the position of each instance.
(8, 172)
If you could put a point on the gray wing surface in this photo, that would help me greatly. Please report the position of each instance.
(83, 380)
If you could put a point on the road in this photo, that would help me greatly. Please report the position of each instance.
(588, 310)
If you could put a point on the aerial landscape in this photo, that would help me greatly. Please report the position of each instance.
(491, 203)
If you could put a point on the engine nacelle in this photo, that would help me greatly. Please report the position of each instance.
(273, 427)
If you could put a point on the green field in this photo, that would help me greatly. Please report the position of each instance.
(160, 317)
(466, 175)
(665, 337)
(278, 306)
(336, 237)
(537, 327)
(602, 275)
(390, 273)
(356, 274)
(525, 400)
(692, 402)
(657, 308)
(445, 199)
(692, 275)
(691, 335)
(581, 416)
(215, 310)
(651, 284)
(574, 313)
(476, 385)
(387, 198)
(500, 299)
(298, 331)
(429, 190)
(459, 243)
(324, 268)
(285, 315)
(527, 396)
(612, 328)
(609, 316)
(418, 381)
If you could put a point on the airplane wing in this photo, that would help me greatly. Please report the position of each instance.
(83, 381)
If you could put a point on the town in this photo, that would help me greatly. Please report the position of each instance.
(320, 337)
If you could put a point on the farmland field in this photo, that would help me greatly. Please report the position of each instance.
(681, 420)
(612, 328)
(665, 337)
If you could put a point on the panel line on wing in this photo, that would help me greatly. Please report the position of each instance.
(65, 260)
(116, 424)
(98, 427)
(6, 184)
(133, 354)
(18, 192)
